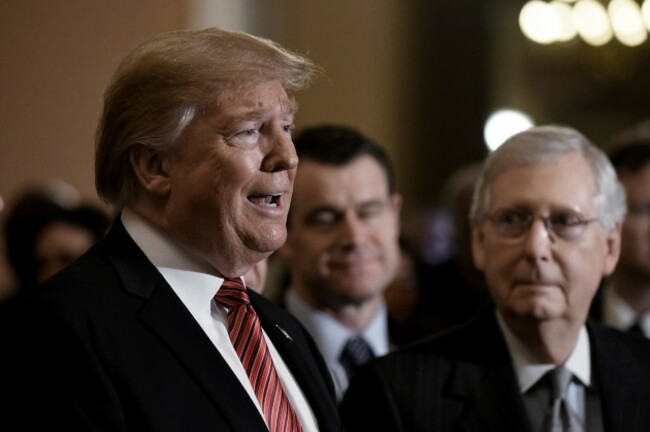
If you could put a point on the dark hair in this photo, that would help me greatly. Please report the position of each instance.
(340, 145)
(23, 221)
(84, 216)
(29, 217)
(631, 158)
(630, 149)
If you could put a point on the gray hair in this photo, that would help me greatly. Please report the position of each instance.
(547, 143)
(163, 84)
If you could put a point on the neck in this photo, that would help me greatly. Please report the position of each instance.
(551, 341)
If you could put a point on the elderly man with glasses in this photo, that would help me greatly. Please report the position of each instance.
(546, 221)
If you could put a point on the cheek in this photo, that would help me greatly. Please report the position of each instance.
(581, 270)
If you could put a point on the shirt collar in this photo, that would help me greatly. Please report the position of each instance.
(158, 247)
(528, 367)
(331, 335)
(192, 280)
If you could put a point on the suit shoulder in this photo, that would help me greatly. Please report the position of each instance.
(608, 339)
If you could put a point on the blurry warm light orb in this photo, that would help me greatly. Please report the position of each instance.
(502, 124)
(538, 22)
(592, 22)
(562, 10)
(645, 12)
(627, 22)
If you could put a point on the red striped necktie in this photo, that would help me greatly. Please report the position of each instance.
(247, 338)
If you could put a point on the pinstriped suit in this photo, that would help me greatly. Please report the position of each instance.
(464, 381)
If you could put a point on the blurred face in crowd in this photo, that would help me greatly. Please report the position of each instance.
(533, 272)
(57, 245)
(229, 179)
(343, 232)
(635, 248)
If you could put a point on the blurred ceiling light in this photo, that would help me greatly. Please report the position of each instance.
(645, 11)
(537, 22)
(562, 11)
(592, 22)
(502, 124)
(627, 22)
(549, 21)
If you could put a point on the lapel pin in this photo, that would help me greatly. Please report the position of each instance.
(284, 332)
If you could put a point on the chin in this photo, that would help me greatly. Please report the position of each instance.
(539, 312)
(268, 241)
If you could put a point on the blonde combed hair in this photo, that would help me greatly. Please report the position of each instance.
(164, 83)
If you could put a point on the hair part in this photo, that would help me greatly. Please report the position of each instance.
(547, 143)
(167, 81)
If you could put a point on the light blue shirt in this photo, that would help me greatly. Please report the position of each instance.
(331, 336)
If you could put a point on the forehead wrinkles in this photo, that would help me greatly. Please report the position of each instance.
(255, 99)
(553, 184)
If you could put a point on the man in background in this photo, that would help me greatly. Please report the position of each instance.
(342, 246)
(624, 302)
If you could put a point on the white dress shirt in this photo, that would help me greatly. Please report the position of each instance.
(196, 284)
(530, 369)
(331, 336)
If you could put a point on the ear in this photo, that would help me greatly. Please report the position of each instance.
(478, 246)
(151, 169)
(612, 249)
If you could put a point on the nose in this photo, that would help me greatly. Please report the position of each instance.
(352, 231)
(538, 241)
(281, 154)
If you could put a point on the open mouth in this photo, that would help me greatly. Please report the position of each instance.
(266, 200)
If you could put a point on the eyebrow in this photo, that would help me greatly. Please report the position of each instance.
(328, 208)
(553, 208)
(322, 209)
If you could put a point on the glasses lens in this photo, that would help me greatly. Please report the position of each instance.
(511, 223)
(567, 226)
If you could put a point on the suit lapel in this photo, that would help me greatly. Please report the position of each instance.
(622, 383)
(484, 380)
(291, 346)
(166, 316)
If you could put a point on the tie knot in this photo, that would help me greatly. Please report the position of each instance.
(232, 293)
(355, 353)
(560, 379)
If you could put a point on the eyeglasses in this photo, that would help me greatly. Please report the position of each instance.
(566, 225)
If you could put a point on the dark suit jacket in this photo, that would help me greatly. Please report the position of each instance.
(464, 380)
(107, 345)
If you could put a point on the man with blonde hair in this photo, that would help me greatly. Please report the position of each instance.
(153, 329)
